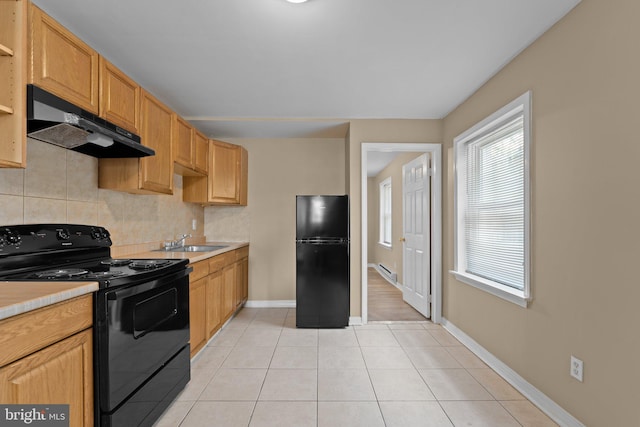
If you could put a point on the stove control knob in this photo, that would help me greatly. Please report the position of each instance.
(63, 234)
(95, 234)
(12, 238)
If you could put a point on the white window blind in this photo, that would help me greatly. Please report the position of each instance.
(494, 219)
(492, 204)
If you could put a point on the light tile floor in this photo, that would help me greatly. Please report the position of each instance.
(261, 371)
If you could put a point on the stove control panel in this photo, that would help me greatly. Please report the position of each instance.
(31, 238)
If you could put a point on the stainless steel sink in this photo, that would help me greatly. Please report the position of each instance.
(193, 248)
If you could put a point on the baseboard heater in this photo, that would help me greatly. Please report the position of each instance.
(388, 274)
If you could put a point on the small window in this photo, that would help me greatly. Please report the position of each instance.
(492, 203)
(385, 212)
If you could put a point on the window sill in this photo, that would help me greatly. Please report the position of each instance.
(506, 293)
(385, 245)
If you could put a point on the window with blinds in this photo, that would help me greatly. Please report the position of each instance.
(385, 212)
(492, 206)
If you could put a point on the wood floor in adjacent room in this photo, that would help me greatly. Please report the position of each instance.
(385, 301)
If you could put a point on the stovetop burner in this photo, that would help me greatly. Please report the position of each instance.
(103, 275)
(62, 273)
(147, 264)
(115, 262)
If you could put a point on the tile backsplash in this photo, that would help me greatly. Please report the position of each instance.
(61, 186)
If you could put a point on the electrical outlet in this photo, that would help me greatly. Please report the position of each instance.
(194, 224)
(576, 368)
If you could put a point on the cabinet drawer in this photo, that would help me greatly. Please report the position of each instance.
(28, 332)
(242, 253)
(200, 270)
(220, 261)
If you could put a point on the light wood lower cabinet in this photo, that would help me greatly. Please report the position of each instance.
(58, 374)
(214, 311)
(218, 287)
(36, 371)
(228, 290)
(197, 314)
(242, 276)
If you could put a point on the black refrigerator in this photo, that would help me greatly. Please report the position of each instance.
(322, 261)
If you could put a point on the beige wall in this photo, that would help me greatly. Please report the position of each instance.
(61, 186)
(387, 131)
(390, 257)
(279, 169)
(584, 76)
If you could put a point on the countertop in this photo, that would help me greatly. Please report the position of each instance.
(191, 256)
(21, 297)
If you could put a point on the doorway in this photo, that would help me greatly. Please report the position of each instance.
(433, 216)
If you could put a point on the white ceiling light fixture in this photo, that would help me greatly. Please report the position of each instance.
(296, 1)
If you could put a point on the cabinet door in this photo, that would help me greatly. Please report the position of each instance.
(197, 314)
(119, 97)
(244, 265)
(13, 89)
(62, 63)
(228, 290)
(214, 302)
(59, 374)
(224, 183)
(201, 153)
(183, 142)
(156, 172)
(242, 273)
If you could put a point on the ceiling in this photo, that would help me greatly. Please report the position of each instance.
(269, 68)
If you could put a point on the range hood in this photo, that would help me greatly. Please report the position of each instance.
(59, 122)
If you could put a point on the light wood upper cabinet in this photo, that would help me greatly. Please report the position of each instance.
(62, 63)
(119, 97)
(48, 358)
(201, 153)
(182, 144)
(146, 175)
(190, 149)
(13, 83)
(157, 132)
(226, 183)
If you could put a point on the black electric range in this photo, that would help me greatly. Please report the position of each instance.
(67, 252)
(141, 314)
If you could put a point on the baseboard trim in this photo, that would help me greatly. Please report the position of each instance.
(538, 398)
(355, 321)
(270, 304)
(375, 266)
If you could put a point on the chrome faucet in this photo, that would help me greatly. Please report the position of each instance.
(179, 243)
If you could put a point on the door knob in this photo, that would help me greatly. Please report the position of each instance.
(402, 239)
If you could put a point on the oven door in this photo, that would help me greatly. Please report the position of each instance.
(138, 329)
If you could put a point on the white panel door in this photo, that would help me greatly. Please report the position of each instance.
(416, 223)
